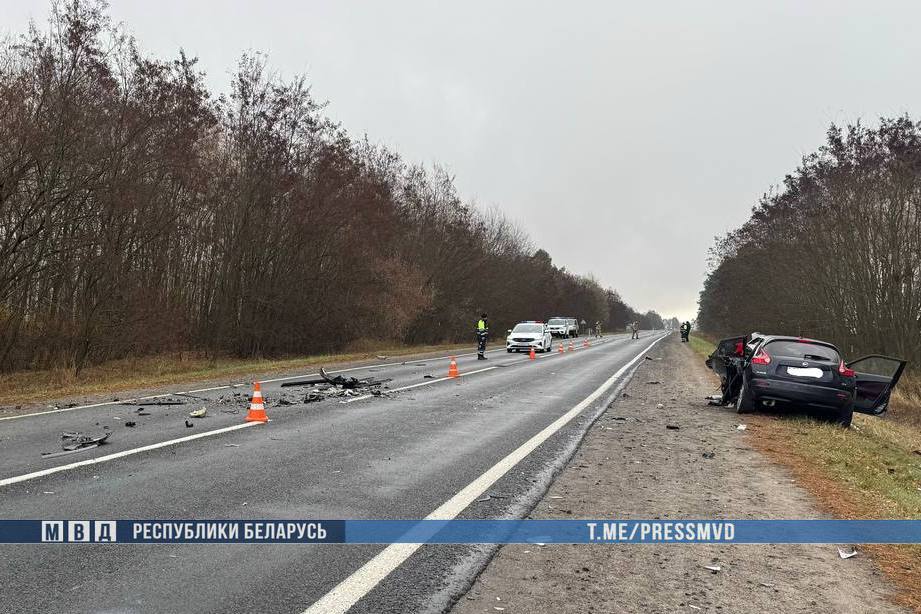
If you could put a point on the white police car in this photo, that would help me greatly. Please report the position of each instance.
(527, 335)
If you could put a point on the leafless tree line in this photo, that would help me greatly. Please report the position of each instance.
(140, 215)
(835, 253)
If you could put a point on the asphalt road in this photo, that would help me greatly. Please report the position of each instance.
(399, 457)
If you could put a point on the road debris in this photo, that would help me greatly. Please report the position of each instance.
(767, 584)
(140, 411)
(189, 424)
(713, 568)
(169, 402)
(131, 424)
(846, 555)
(72, 442)
(381, 357)
(198, 413)
(741, 427)
(660, 406)
(709, 454)
(327, 387)
(653, 382)
(672, 427)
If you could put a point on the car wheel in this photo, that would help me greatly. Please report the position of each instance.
(509, 350)
(744, 402)
(845, 415)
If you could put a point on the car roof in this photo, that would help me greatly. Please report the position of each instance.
(768, 338)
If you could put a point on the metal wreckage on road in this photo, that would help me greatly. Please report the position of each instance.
(72, 442)
(326, 387)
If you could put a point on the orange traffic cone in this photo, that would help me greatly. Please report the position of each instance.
(532, 355)
(561, 347)
(256, 406)
(452, 368)
(585, 343)
(571, 346)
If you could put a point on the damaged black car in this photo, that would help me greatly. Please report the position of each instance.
(792, 372)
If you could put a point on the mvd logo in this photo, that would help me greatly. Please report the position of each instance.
(78, 531)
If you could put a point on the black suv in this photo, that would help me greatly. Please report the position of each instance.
(775, 371)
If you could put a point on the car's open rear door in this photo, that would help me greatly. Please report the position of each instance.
(876, 377)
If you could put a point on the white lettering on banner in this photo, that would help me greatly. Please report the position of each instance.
(661, 531)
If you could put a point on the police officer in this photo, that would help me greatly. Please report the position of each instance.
(482, 334)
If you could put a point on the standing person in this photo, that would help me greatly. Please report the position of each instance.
(482, 334)
(598, 328)
(685, 331)
(635, 327)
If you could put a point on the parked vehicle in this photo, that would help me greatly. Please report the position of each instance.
(527, 335)
(563, 327)
(573, 327)
(776, 371)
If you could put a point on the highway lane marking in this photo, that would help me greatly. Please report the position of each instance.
(102, 459)
(442, 379)
(231, 386)
(362, 581)
(226, 387)
(162, 444)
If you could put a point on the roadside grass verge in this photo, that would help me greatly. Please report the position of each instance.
(872, 470)
(701, 345)
(24, 387)
(905, 404)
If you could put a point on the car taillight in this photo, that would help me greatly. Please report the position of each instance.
(846, 371)
(761, 358)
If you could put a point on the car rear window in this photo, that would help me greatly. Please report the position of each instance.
(802, 349)
(556, 321)
(528, 328)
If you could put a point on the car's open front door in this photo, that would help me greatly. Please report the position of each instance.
(726, 361)
(726, 350)
(876, 377)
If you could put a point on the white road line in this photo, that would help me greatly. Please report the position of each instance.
(230, 386)
(441, 379)
(349, 591)
(227, 387)
(426, 383)
(122, 454)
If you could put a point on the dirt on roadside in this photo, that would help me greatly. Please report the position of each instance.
(631, 465)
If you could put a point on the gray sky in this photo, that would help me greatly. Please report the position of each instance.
(621, 136)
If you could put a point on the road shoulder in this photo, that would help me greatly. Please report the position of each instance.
(631, 465)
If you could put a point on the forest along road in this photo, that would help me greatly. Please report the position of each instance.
(398, 457)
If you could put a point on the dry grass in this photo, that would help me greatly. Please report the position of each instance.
(905, 404)
(26, 387)
(870, 471)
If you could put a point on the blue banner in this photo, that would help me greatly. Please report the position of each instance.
(461, 531)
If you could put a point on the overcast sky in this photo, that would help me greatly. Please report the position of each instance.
(621, 136)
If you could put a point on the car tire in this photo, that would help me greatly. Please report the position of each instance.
(744, 402)
(845, 415)
(509, 350)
